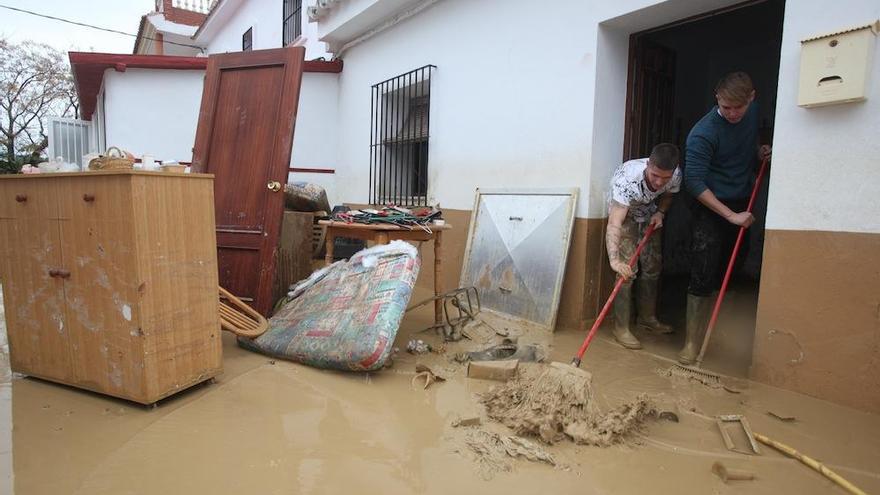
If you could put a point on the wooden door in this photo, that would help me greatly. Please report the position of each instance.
(651, 98)
(244, 138)
(102, 294)
(33, 287)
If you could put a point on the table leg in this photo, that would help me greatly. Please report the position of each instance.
(382, 238)
(438, 275)
(329, 240)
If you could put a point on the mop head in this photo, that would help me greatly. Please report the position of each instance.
(556, 402)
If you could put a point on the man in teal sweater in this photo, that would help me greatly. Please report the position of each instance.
(719, 172)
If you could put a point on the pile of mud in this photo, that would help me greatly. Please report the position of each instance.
(554, 404)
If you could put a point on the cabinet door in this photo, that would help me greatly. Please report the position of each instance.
(102, 291)
(30, 264)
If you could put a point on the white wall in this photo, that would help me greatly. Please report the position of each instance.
(174, 45)
(314, 47)
(512, 100)
(264, 17)
(156, 112)
(826, 170)
(316, 136)
(347, 21)
(153, 111)
(506, 109)
(97, 129)
(266, 20)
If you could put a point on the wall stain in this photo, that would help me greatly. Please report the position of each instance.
(794, 339)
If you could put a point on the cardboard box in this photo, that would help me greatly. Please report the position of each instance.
(493, 370)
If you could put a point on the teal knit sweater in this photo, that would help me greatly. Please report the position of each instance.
(721, 156)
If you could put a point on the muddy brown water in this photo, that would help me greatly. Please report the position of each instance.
(287, 428)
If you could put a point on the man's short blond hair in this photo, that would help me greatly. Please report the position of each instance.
(735, 87)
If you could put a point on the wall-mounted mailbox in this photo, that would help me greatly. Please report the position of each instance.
(835, 67)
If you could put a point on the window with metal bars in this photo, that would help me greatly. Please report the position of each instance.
(247, 40)
(400, 130)
(291, 21)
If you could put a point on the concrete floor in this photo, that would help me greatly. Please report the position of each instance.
(279, 427)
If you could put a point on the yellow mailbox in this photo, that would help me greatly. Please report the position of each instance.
(835, 67)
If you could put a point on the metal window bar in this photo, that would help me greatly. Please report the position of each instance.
(291, 21)
(399, 136)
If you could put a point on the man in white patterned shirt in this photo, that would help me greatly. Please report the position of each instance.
(641, 194)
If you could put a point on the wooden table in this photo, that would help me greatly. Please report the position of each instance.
(383, 234)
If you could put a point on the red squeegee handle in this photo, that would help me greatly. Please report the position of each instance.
(632, 262)
(736, 246)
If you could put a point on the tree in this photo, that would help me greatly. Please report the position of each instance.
(35, 83)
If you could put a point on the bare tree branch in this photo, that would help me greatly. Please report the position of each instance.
(35, 83)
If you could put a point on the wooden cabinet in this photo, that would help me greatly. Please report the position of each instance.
(110, 280)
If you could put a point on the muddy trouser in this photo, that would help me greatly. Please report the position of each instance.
(650, 259)
(713, 238)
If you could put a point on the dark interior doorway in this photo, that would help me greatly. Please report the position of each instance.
(673, 70)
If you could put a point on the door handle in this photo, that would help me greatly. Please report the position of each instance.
(274, 186)
(59, 273)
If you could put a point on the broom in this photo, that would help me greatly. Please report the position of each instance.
(696, 371)
(576, 362)
(559, 399)
(557, 372)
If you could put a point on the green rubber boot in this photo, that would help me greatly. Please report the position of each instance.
(622, 312)
(646, 299)
(697, 310)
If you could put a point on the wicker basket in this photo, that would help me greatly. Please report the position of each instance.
(113, 159)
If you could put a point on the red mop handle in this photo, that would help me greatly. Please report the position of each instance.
(632, 262)
(723, 290)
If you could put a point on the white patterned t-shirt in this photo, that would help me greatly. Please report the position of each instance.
(628, 188)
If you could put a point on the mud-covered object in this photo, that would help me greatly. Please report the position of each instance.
(305, 196)
(507, 350)
(345, 316)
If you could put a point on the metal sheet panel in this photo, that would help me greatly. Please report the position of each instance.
(517, 248)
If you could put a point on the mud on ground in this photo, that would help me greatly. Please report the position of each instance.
(286, 428)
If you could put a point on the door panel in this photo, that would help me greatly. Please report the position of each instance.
(244, 138)
(249, 127)
(37, 322)
(236, 264)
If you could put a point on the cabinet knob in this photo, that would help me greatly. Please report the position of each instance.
(274, 186)
(21, 198)
(88, 198)
(57, 273)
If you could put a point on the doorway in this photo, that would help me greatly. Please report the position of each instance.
(672, 73)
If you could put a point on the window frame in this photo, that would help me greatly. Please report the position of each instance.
(400, 109)
(294, 7)
(247, 40)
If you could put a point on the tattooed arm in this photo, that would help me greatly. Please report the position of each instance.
(616, 215)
